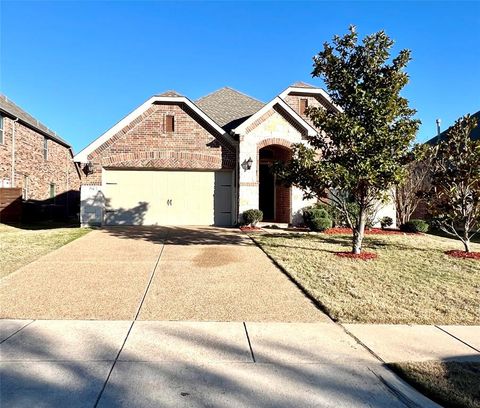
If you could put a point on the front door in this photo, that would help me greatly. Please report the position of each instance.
(266, 192)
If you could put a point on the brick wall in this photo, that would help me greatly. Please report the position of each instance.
(144, 143)
(32, 171)
(294, 102)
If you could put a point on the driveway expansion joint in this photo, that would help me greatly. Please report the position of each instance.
(152, 275)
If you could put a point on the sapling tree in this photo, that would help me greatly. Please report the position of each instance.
(454, 196)
(406, 195)
(362, 145)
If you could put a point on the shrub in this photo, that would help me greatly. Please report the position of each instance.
(386, 222)
(252, 217)
(333, 213)
(414, 226)
(317, 219)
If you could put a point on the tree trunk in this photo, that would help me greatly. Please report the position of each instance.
(359, 232)
(466, 244)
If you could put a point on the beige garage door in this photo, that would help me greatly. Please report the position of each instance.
(145, 197)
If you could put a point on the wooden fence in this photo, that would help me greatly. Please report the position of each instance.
(10, 204)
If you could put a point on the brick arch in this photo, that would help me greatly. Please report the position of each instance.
(274, 141)
(282, 194)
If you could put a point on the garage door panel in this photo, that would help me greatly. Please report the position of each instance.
(135, 197)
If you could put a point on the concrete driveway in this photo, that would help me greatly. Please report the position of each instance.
(164, 273)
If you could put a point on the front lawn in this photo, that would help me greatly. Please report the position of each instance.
(412, 281)
(451, 384)
(19, 246)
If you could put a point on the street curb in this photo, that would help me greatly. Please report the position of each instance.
(404, 391)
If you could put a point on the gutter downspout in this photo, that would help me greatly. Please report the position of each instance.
(12, 184)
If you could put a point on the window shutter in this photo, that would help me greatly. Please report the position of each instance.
(169, 123)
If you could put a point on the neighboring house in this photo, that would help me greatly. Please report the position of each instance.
(421, 210)
(37, 160)
(474, 135)
(173, 161)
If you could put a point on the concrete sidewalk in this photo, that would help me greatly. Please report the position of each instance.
(400, 342)
(191, 364)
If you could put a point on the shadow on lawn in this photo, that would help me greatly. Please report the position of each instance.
(370, 242)
(448, 382)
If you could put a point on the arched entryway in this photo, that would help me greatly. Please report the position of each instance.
(274, 199)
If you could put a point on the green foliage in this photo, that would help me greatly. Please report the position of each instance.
(414, 226)
(454, 197)
(369, 130)
(252, 217)
(317, 219)
(386, 222)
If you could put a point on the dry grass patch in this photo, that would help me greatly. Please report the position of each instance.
(19, 247)
(451, 384)
(411, 281)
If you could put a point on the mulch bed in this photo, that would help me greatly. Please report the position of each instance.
(371, 231)
(250, 229)
(365, 256)
(462, 254)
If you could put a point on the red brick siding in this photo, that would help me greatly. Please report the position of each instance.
(294, 102)
(58, 169)
(144, 143)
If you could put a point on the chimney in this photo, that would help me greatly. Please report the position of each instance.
(438, 121)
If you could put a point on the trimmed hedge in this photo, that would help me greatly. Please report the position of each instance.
(386, 222)
(414, 226)
(252, 217)
(317, 219)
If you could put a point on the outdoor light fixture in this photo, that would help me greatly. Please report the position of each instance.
(247, 164)
(88, 169)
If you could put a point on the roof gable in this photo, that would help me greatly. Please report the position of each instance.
(301, 88)
(284, 108)
(229, 107)
(173, 98)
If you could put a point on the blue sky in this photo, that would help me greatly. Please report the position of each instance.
(79, 67)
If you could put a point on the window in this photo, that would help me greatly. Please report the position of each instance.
(303, 106)
(25, 188)
(169, 123)
(1, 129)
(45, 148)
(52, 190)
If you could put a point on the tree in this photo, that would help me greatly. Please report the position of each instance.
(361, 147)
(454, 196)
(406, 195)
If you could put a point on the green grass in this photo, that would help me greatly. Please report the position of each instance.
(20, 246)
(412, 281)
(452, 384)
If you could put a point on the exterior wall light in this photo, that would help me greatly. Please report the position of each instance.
(247, 164)
(88, 169)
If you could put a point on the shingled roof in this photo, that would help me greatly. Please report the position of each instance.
(229, 107)
(301, 84)
(474, 135)
(170, 93)
(11, 109)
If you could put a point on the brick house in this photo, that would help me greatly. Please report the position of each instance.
(173, 161)
(36, 160)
